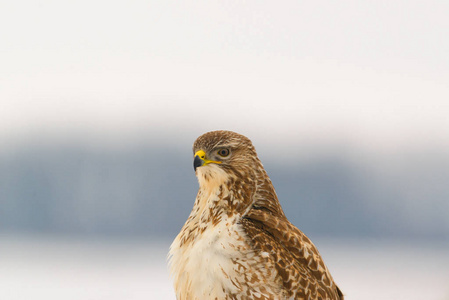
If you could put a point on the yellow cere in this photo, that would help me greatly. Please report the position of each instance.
(202, 155)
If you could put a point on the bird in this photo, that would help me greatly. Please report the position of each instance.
(237, 242)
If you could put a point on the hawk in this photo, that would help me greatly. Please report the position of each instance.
(237, 242)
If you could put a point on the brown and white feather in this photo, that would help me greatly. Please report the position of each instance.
(237, 242)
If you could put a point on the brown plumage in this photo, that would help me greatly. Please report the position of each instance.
(237, 242)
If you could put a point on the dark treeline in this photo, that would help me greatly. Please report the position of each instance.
(147, 191)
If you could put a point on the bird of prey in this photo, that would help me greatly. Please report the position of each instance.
(237, 243)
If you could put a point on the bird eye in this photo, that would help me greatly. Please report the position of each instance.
(223, 152)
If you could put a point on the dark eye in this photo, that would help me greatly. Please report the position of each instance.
(223, 152)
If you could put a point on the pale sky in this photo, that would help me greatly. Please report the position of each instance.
(373, 74)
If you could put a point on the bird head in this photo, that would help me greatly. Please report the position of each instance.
(220, 156)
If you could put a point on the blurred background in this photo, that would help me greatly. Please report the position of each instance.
(346, 102)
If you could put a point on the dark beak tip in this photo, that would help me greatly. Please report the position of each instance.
(197, 162)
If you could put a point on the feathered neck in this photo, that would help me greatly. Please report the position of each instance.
(234, 192)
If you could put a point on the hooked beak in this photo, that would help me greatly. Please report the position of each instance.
(197, 162)
(200, 160)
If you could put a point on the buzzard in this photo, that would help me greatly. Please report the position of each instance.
(237, 242)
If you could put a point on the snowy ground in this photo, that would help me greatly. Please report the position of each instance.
(57, 268)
